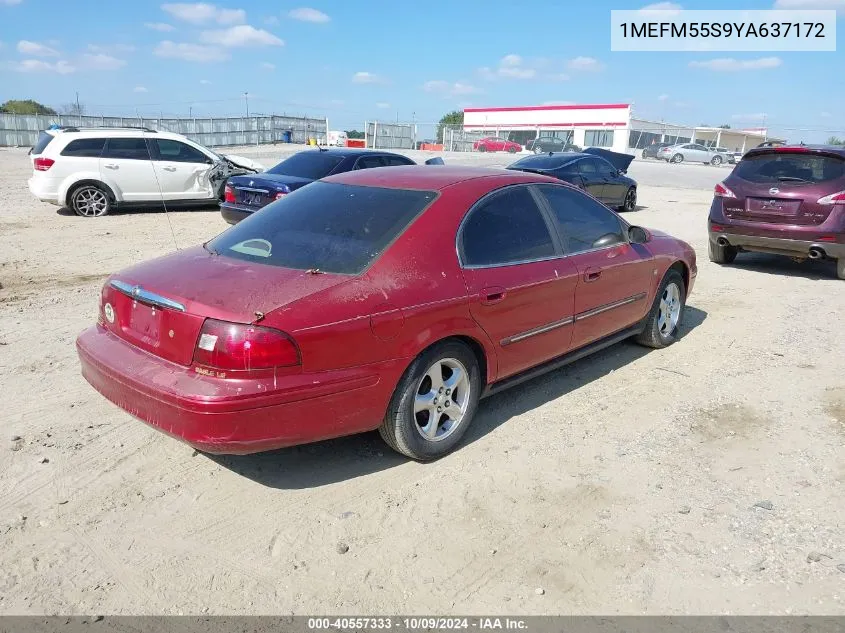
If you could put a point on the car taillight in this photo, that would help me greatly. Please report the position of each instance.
(721, 191)
(243, 347)
(228, 194)
(834, 198)
(280, 194)
(43, 164)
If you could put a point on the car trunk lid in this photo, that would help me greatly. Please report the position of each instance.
(160, 305)
(261, 189)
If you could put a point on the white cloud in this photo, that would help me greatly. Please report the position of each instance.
(161, 27)
(511, 61)
(205, 82)
(39, 66)
(268, 66)
(203, 13)
(306, 14)
(101, 62)
(663, 97)
(511, 66)
(585, 64)
(838, 5)
(363, 77)
(382, 105)
(729, 64)
(449, 89)
(139, 89)
(665, 8)
(242, 35)
(34, 48)
(190, 52)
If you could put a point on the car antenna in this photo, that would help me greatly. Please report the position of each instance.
(160, 191)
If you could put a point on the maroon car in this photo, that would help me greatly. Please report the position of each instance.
(388, 299)
(782, 200)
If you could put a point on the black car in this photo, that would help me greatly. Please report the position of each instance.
(597, 171)
(245, 195)
(651, 150)
(546, 144)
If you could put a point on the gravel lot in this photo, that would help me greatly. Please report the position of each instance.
(705, 478)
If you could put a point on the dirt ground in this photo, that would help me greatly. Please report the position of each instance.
(705, 478)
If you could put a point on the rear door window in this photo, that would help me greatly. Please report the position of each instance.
(85, 148)
(783, 167)
(330, 227)
(126, 149)
(506, 228)
(396, 161)
(368, 162)
(41, 144)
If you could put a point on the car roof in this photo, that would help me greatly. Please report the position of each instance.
(836, 150)
(429, 177)
(114, 132)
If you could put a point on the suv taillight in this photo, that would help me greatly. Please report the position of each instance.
(243, 347)
(721, 191)
(43, 164)
(228, 194)
(834, 198)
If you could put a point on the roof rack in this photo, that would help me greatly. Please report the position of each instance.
(78, 128)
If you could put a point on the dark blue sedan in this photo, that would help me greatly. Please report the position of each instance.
(247, 194)
(597, 171)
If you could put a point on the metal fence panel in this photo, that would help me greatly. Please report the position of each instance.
(456, 139)
(21, 130)
(381, 135)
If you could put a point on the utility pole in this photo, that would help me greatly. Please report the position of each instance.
(246, 98)
(190, 112)
(78, 109)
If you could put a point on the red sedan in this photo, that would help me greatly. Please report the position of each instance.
(390, 299)
(496, 144)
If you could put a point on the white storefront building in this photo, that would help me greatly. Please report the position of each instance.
(600, 125)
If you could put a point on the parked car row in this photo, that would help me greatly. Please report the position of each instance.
(696, 152)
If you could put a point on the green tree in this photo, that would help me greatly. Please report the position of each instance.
(354, 134)
(725, 126)
(456, 117)
(835, 140)
(17, 106)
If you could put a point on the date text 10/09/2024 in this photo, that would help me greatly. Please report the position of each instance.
(416, 623)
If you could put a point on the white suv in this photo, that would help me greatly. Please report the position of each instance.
(93, 170)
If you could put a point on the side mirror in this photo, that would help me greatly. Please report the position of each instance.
(638, 235)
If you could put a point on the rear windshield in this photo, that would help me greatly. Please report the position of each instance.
(540, 162)
(312, 165)
(41, 144)
(330, 227)
(785, 167)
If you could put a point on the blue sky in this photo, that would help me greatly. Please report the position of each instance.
(368, 59)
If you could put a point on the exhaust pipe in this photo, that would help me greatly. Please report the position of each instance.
(816, 253)
(723, 241)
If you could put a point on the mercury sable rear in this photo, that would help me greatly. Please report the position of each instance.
(390, 300)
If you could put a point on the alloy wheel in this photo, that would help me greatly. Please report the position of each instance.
(669, 310)
(90, 202)
(442, 399)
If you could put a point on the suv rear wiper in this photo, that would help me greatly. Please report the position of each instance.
(792, 179)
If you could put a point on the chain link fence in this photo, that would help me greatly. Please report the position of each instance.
(21, 130)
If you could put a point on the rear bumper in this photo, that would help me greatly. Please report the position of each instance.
(234, 214)
(235, 416)
(44, 191)
(779, 245)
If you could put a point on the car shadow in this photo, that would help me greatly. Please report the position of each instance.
(815, 270)
(342, 459)
(66, 212)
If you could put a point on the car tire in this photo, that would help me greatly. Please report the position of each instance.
(840, 267)
(644, 154)
(482, 148)
(721, 254)
(90, 200)
(538, 150)
(716, 161)
(629, 203)
(677, 158)
(512, 150)
(407, 425)
(664, 319)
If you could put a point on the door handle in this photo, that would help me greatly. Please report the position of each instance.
(592, 274)
(110, 166)
(490, 296)
(169, 168)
